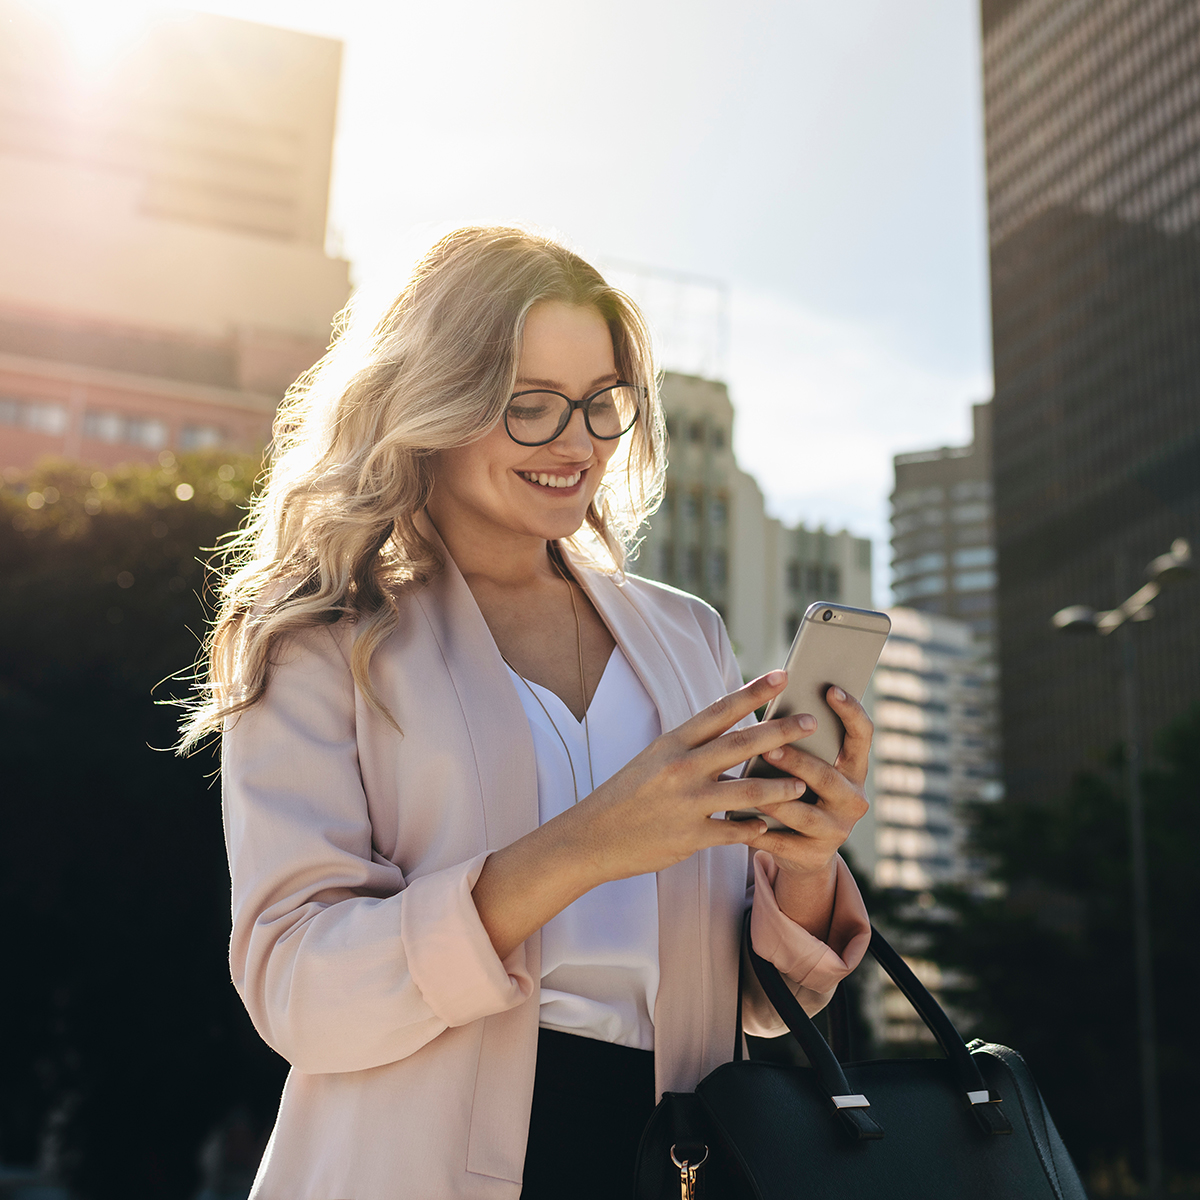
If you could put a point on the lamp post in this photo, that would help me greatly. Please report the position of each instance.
(1078, 618)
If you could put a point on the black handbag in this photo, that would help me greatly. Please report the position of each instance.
(970, 1126)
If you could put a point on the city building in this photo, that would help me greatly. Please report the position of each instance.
(943, 565)
(1093, 172)
(943, 549)
(713, 537)
(163, 272)
(932, 754)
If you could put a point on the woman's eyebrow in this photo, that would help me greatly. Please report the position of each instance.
(555, 385)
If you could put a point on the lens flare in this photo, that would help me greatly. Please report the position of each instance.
(99, 33)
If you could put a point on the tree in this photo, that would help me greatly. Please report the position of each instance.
(1051, 957)
(123, 1041)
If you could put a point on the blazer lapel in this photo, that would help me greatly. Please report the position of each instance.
(500, 735)
(504, 759)
(684, 1007)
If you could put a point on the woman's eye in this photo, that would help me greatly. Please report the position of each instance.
(526, 412)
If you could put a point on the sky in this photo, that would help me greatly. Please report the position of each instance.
(823, 162)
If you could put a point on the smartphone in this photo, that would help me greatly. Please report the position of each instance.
(835, 645)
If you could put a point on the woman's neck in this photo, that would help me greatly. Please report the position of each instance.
(506, 560)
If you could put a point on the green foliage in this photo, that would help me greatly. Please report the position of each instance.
(1051, 957)
(123, 1043)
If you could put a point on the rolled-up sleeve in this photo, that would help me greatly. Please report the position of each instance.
(342, 963)
(813, 968)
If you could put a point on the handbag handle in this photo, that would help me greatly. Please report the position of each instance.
(984, 1103)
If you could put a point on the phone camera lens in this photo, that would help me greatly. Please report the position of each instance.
(827, 615)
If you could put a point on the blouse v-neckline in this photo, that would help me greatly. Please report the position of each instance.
(543, 691)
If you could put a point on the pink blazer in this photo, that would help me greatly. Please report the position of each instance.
(356, 946)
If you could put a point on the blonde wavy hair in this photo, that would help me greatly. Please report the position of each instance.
(331, 534)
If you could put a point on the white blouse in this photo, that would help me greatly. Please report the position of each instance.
(600, 954)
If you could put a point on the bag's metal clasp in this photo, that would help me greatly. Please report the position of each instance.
(687, 1174)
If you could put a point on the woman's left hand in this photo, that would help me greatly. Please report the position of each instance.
(822, 826)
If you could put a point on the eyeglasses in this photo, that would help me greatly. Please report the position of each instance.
(535, 418)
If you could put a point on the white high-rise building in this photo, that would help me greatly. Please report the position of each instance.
(931, 753)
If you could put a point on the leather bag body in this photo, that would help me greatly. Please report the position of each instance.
(970, 1126)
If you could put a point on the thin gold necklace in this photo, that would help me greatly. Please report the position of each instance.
(587, 736)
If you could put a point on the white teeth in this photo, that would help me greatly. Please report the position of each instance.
(554, 481)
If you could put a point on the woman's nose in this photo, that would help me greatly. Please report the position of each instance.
(575, 438)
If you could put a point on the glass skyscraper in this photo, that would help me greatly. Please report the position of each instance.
(1093, 164)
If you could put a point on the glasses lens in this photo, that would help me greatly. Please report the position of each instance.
(613, 410)
(534, 417)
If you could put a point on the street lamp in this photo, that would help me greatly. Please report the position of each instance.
(1079, 618)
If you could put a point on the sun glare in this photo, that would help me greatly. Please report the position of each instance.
(98, 32)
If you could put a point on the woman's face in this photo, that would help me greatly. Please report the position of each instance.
(495, 485)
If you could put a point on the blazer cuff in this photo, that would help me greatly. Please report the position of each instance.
(450, 956)
(804, 959)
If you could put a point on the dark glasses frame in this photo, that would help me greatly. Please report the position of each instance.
(572, 405)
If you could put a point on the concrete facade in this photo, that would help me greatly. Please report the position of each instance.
(162, 236)
(712, 535)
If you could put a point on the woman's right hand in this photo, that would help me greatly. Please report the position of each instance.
(656, 811)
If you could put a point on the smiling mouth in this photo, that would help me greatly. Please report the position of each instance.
(543, 479)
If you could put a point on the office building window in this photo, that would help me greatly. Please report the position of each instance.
(921, 565)
(201, 437)
(929, 585)
(916, 498)
(33, 414)
(126, 429)
(963, 513)
(975, 556)
(974, 581)
(972, 489)
(718, 565)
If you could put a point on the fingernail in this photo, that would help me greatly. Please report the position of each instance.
(838, 694)
(807, 722)
(774, 755)
(801, 788)
(774, 678)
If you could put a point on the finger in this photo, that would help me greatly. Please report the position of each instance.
(732, 833)
(755, 793)
(809, 819)
(725, 713)
(826, 782)
(740, 745)
(856, 746)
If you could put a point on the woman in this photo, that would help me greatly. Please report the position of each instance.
(470, 766)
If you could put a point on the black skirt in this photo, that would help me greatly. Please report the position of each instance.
(591, 1101)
